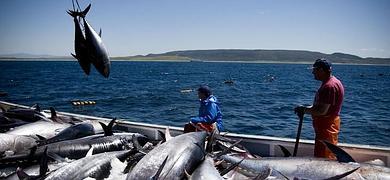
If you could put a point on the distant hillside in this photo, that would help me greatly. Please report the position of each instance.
(257, 55)
(284, 56)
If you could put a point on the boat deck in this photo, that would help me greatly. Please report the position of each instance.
(260, 145)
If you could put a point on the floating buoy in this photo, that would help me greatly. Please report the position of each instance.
(186, 90)
(82, 103)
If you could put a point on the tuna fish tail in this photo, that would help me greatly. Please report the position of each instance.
(36, 107)
(78, 13)
(108, 128)
(21, 174)
(43, 168)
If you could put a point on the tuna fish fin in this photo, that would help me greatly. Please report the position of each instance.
(100, 32)
(227, 149)
(263, 175)
(32, 152)
(132, 162)
(77, 13)
(342, 175)
(122, 157)
(136, 144)
(231, 167)
(56, 157)
(187, 174)
(108, 128)
(239, 148)
(167, 134)
(53, 113)
(157, 175)
(162, 135)
(281, 174)
(74, 56)
(43, 167)
(285, 151)
(90, 152)
(21, 174)
(36, 107)
(41, 138)
(340, 154)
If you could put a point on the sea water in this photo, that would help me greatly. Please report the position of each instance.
(260, 100)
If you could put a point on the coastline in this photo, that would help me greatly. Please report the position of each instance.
(178, 61)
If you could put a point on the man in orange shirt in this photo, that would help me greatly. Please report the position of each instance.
(326, 108)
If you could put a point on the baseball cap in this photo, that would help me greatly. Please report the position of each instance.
(323, 63)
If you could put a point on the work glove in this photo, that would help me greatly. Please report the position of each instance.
(195, 120)
(300, 111)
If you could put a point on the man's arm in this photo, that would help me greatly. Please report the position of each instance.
(317, 110)
(208, 117)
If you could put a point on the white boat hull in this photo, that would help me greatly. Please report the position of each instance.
(260, 145)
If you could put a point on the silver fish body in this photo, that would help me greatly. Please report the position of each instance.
(78, 148)
(369, 171)
(206, 171)
(81, 50)
(182, 154)
(97, 51)
(97, 166)
(297, 167)
(45, 129)
(15, 143)
(80, 46)
(72, 132)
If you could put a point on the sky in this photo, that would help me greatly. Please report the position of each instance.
(140, 27)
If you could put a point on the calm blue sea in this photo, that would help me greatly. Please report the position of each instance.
(260, 101)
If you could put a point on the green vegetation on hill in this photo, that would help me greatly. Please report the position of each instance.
(242, 55)
(257, 56)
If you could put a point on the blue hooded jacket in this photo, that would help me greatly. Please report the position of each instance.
(209, 112)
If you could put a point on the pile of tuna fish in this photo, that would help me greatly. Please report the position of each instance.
(38, 145)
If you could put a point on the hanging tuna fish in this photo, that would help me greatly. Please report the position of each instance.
(89, 47)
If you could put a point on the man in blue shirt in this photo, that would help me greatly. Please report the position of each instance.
(210, 115)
